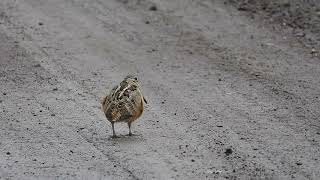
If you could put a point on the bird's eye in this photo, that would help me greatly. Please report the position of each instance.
(136, 79)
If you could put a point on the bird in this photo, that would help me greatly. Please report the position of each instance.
(124, 103)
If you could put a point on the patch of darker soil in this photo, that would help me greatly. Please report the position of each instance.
(300, 15)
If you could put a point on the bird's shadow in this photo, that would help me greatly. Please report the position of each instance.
(126, 138)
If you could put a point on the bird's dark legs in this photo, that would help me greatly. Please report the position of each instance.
(129, 125)
(114, 133)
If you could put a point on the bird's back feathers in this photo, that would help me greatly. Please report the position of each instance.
(124, 102)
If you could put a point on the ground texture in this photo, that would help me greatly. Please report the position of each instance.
(233, 89)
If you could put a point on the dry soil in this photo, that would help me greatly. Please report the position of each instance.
(229, 96)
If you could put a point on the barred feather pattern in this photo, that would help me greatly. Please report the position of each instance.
(124, 102)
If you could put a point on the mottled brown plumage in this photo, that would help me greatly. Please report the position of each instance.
(124, 103)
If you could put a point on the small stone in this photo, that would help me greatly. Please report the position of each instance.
(40, 23)
(147, 22)
(153, 8)
(4, 94)
(192, 160)
(242, 8)
(37, 65)
(300, 34)
(219, 79)
(299, 163)
(54, 89)
(53, 115)
(8, 153)
(228, 151)
(286, 4)
(313, 50)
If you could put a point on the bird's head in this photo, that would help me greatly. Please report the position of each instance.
(131, 79)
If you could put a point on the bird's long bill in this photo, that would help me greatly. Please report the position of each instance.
(144, 99)
(103, 100)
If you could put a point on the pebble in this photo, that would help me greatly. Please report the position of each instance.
(153, 8)
(228, 151)
(300, 34)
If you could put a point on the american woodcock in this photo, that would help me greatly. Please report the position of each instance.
(124, 103)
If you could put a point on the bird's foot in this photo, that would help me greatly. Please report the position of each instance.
(115, 136)
(131, 134)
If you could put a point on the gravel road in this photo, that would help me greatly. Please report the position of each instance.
(229, 97)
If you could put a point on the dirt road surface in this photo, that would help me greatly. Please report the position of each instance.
(229, 97)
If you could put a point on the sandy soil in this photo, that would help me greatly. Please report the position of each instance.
(230, 97)
(299, 18)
